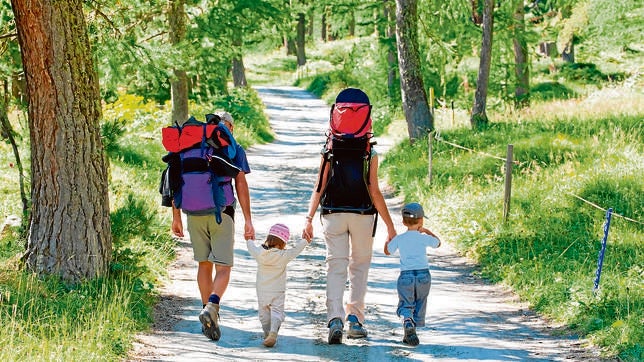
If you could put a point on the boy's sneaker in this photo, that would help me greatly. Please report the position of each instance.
(335, 331)
(356, 330)
(270, 339)
(410, 333)
(209, 318)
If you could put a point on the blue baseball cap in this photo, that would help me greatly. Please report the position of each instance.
(413, 210)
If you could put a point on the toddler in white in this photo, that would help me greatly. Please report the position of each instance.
(272, 258)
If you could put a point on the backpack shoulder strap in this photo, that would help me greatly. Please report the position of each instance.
(327, 157)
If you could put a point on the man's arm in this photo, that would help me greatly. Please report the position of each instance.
(243, 195)
(177, 223)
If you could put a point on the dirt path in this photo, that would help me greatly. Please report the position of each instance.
(468, 320)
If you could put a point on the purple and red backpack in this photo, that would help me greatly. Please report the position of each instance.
(200, 163)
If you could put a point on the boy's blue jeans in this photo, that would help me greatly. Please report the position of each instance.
(413, 289)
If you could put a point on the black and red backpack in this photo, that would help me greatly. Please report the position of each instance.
(348, 154)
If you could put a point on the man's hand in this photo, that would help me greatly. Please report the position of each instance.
(177, 227)
(249, 231)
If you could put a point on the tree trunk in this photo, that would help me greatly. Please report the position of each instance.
(476, 14)
(328, 10)
(301, 33)
(239, 72)
(289, 45)
(390, 33)
(323, 26)
(309, 29)
(521, 69)
(7, 131)
(70, 232)
(479, 118)
(179, 80)
(414, 97)
(352, 22)
(568, 54)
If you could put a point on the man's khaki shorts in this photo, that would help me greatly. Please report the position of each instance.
(211, 241)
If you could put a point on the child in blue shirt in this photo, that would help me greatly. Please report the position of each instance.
(414, 280)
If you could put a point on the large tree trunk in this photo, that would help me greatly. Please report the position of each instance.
(239, 72)
(301, 33)
(521, 69)
(179, 81)
(70, 232)
(479, 118)
(414, 97)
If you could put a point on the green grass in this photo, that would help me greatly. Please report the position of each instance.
(547, 251)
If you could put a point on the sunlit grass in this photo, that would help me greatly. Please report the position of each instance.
(547, 251)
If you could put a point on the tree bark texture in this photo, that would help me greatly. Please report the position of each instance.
(521, 65)
(301, 33)
(69, 232)
(414, 97)
(479, 117)
(179, 80)
(239, 71)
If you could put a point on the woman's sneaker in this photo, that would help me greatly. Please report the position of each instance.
(356, 330)
(410, 333)
(335, 331)
(209, 317)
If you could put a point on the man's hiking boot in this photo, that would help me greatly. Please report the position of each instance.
(410, 337)
(271, 339)
(356, 330)
(209, 318)
(335, 331)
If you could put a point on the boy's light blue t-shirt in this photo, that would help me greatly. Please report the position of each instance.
(412, 247)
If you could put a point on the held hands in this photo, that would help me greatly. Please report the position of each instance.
(249, 231)
(307, 232)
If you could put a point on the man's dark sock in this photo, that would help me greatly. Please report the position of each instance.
(214, 298)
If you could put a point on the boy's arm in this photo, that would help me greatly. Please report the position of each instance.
(425, 230)
(430, 233)
(387, 248)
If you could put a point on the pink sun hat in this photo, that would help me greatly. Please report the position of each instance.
(281, 231)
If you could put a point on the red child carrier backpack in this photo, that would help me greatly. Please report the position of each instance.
(199, 164)
(348, 154)
(351, 114)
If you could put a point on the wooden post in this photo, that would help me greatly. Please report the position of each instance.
(431, 100)
(453, 114)
(430, 158)
(508, 183)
